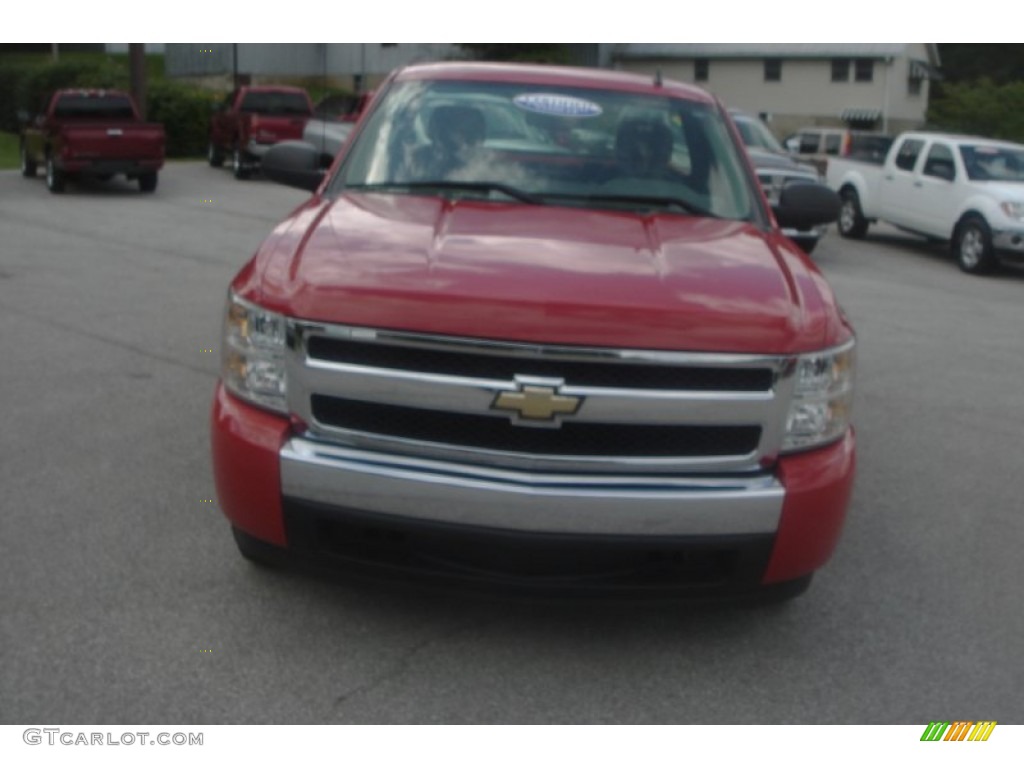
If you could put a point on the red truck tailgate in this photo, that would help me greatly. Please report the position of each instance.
(268, 129)
(114, 142)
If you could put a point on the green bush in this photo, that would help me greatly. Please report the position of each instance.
(27, 86)
(184, 111)
(980, 108)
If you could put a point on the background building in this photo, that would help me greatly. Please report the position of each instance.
(882, 86)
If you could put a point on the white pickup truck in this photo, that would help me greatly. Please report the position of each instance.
(962, 189)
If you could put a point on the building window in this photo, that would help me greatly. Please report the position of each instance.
(864, 70)
(840, 70)
(772, 70)
(914, 86)
(700, 70)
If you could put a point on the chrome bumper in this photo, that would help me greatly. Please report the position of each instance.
(1009, 240)
(255, 149)
(553, 503)
(814, 232)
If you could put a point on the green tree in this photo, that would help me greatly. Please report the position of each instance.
(547, 53)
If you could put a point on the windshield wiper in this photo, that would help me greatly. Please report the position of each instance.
(652, 200)
(471, 186)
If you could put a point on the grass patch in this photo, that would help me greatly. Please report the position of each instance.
(10, 159)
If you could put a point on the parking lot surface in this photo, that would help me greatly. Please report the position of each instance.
(125, 600)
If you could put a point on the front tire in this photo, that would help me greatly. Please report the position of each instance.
(852, 223)
(972, 246)
(238, 166)
(147, 182)
(255, 550)
(806, 244)
(214, 156)
(28, 165)
(55, 179)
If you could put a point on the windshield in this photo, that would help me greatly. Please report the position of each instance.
(992, 163)
(754, 134)
(109, 107)
(549, 145)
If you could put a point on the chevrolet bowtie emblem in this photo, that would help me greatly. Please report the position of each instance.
(536, 404)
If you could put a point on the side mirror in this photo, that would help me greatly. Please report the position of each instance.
(806, 205)
(294, 163)
(793, 145)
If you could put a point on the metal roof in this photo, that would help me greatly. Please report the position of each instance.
(763, 50)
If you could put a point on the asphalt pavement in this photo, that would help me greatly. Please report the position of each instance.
(125, 600)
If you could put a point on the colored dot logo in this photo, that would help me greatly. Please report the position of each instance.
(206, 50)
(206, 501)
(206, 349)
(206, 201)
(206, 650)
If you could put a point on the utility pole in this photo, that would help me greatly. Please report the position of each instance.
(137, 68)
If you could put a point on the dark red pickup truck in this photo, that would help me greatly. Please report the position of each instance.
(92, 133)
(251, 120)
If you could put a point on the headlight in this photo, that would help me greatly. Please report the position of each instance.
(822, 398)
(1015, 210)
(253, 364)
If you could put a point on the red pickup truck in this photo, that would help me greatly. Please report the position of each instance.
(539, 327)
(92, 133)
(251, 120)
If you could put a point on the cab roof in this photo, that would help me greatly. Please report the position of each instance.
(537, 74)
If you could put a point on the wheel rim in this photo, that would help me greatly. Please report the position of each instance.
(847, 216)
(972, 246)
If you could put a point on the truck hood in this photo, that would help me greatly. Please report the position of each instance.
(546, 274)
(1003, 191)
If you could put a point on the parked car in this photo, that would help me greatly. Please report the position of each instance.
(556, 359)
(818, 145)
(332, 122)
(775, 170)
(95, 133)
(962, 189)
(252, 119)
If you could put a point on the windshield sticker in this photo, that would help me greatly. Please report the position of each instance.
(557, 104)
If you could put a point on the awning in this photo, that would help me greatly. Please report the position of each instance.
(922, 70)
(853, 115)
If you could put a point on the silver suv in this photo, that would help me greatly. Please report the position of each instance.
(775, 169)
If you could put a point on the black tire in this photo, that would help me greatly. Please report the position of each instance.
(806, 244)
(784, 592)
(257, 551)
(28, 165)
(55, 179)
(214, 155)
(147, 182)
(238, 163)
(852, 223)
(972, 246)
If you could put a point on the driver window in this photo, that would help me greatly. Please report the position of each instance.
(906, 158)
(940, 163)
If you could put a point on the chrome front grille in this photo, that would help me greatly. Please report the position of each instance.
(639, 412)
